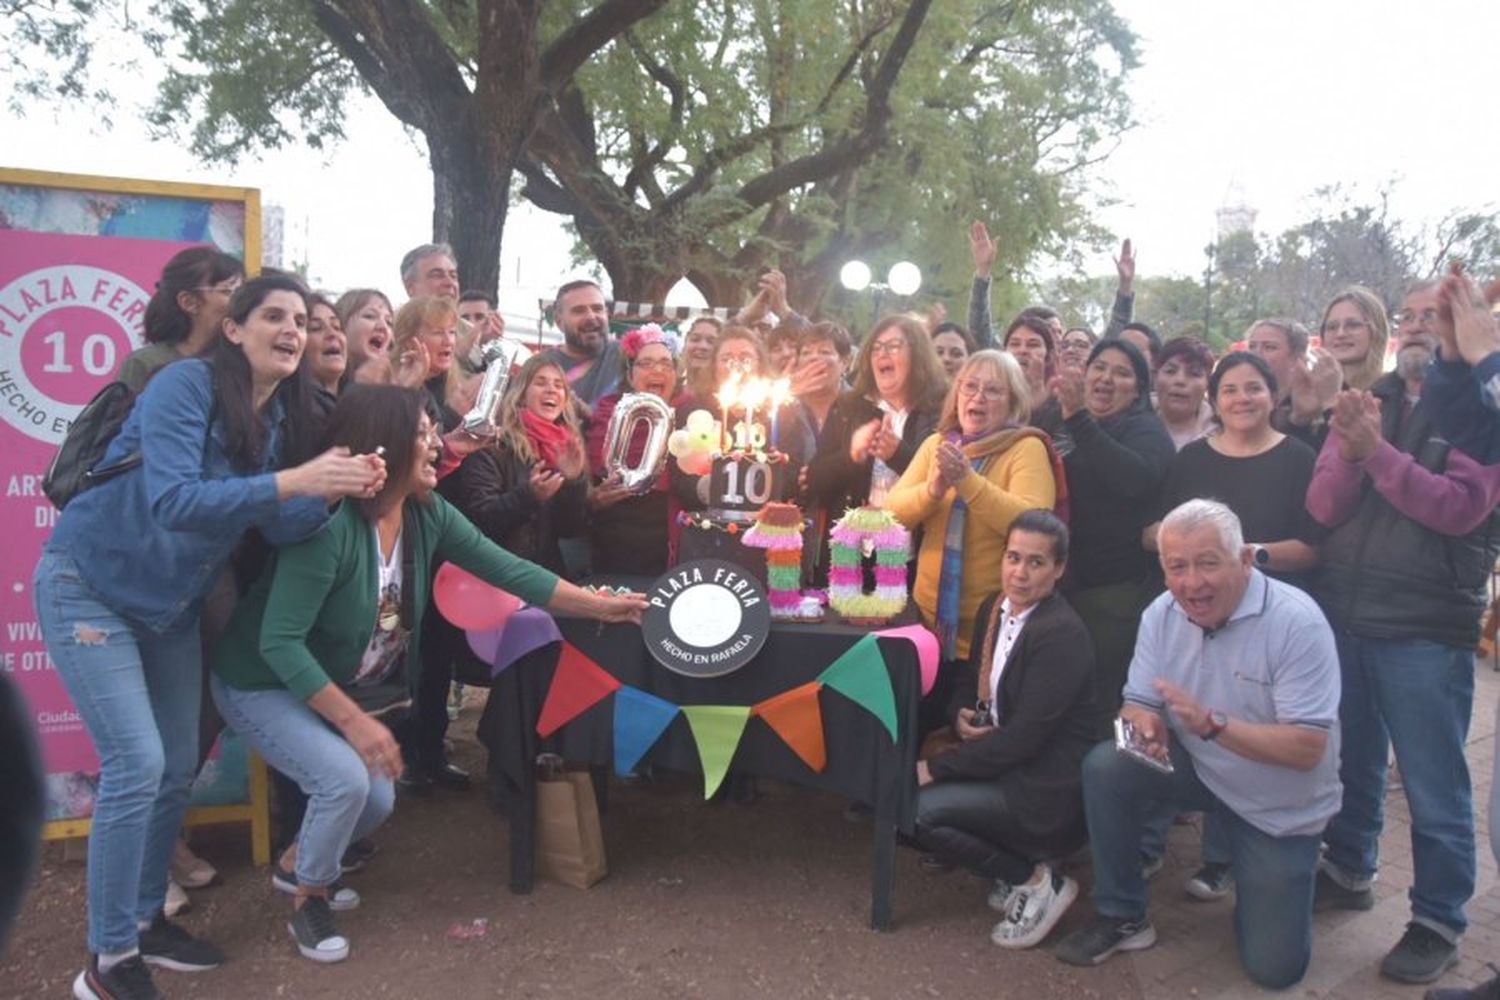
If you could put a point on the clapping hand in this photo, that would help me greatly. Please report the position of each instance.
(1356, 420)
(544, 482)
(411, 368)
(885, 441)
(1466, 323)
(1314, 385)
(1067, 386)
(951, 463)
(861, 439)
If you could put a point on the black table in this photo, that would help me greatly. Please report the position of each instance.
(863, 763)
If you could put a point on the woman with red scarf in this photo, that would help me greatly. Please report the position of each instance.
(529, 488)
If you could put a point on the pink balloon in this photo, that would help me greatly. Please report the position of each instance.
(695, 463)
(469, 602)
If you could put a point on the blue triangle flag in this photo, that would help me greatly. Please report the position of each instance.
(640, 719)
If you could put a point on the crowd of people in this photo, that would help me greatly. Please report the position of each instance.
(1272, 564)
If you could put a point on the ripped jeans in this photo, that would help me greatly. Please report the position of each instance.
(138, 693)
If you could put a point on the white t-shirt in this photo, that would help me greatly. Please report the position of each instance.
(1010, 631)
(389, 637)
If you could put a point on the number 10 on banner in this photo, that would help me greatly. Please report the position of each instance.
(98, 353)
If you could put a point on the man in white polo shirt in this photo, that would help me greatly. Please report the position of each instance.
(1236, 680)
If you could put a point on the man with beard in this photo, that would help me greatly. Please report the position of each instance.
(588, 356)
(1406, 566)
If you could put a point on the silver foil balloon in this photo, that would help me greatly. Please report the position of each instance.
(499, 356)
(633, 408)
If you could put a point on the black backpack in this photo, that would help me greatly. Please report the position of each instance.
(73, 468)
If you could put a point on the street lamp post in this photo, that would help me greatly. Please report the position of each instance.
(904, 278)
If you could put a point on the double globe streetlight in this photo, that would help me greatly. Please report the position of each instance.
(904, 278)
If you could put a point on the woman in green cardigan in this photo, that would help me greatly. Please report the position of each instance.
(333, 631)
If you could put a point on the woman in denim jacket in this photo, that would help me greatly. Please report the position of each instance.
(120, 586)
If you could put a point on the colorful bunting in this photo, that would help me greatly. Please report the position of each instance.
(860, 675)
(528, 629)
(927, 650)
(797, 718)
(717, 730)
(578, 685)
(640, 719)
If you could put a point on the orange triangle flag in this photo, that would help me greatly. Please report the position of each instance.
(578, 685)
(797, 719)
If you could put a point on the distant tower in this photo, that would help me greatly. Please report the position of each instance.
(272, 235)
(1235, 215)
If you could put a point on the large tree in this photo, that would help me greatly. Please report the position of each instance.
(711, 140)
(799, 133)
(471, 76)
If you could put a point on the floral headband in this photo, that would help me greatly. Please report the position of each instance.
(634, 340)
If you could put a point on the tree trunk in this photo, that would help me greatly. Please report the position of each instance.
(470, 201)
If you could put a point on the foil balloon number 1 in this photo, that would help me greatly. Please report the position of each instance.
(499, 356)
(634, 409)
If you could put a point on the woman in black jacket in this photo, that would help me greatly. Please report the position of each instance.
(873, 431)
(1119, 460)
(1002, 794)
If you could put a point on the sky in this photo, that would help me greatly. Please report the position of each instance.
(1258, 102)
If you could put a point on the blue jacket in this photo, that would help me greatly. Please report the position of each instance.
(1464, 402)
(150, 542)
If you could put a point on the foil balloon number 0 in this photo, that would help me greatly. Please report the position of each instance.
(500, 356)
(633, 410)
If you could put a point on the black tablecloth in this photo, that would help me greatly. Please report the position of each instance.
(863, 762)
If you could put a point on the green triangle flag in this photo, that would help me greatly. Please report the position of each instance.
(860, 675)
(717, 730)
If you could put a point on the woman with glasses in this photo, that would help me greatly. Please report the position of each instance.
(1352, 356)
(334, 635)
(873, 431)
(628, 531)
(1114, 475)
(1355, 331)
(964, 486)
(185, 312)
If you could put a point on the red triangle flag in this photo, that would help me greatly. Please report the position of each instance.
(798, 719)
(578, 685)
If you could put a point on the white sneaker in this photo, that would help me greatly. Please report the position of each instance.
(189, 870)
(1035, 910)
(176, 901)
(1001, 895)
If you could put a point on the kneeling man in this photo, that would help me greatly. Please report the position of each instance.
(1236, 680)
(1006, 794)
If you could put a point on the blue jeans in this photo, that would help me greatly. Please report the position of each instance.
(344, 800)
(1415, 695)
(1273, 876)
(137, 692)
(1215, 840)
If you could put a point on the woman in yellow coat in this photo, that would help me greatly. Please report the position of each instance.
(968, 481)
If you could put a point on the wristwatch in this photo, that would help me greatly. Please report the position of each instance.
(1217, 720)
(1262, 556)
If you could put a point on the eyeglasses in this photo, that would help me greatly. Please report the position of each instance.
(993, 392)
(653, 364)
(888, 346)
(1427, 317)
(1348, 326)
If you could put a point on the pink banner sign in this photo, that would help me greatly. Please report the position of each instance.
(71, 310)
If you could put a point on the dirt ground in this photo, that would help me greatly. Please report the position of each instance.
(769, 899)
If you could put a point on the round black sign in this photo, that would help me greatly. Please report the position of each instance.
(707, 618)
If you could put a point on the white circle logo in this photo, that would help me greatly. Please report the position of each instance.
(64, 330)
(705, 615)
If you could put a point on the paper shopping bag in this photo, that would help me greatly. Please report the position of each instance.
(568, 831)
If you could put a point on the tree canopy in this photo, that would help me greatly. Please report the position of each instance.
(703, 139)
